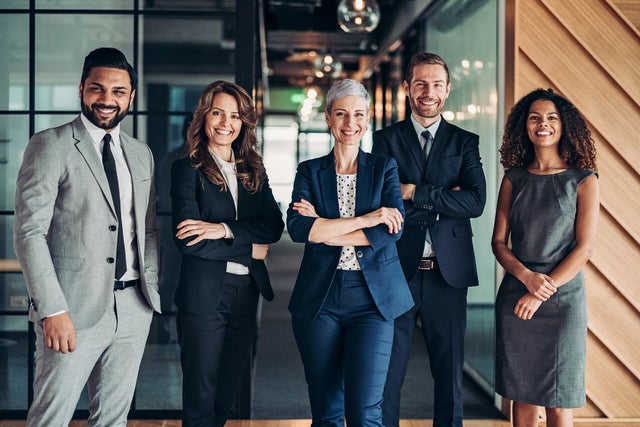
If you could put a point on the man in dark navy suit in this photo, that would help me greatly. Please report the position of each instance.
(443, 186)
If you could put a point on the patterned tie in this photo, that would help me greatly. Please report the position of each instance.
(109, 164)
(426, 149)
(427, 146)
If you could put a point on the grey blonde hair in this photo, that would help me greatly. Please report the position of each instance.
(346, 87)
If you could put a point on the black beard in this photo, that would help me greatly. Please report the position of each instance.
(89, 114)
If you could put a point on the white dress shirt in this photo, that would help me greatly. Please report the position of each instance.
(126, 194)
(228, 170)
(428, 250)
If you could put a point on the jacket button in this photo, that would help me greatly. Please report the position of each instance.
(359, 254)
(112, 228)
(110, 260)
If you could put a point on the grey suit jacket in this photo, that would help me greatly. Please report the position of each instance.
(63, 232)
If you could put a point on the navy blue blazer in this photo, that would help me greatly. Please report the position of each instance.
(377, 185)
(204, 265)
(454, 160)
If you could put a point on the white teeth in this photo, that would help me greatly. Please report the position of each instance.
(544, 133)
(223, 132)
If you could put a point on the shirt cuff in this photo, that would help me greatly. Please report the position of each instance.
(57, 313)
(228, 234)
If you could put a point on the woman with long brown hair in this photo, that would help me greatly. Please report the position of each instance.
(225, 216)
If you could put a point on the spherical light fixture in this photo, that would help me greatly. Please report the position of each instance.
(358, 16)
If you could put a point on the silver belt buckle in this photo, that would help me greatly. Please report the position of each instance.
(427, 264)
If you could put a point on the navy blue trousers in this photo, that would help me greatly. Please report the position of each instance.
(442, 310)
(345, 351)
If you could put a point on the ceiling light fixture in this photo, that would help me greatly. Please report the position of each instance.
(358, 16)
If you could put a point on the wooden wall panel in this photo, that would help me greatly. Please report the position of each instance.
(611, 386)
(590, 410)
(589, 51)
(617, 257)
(609, 314)
(614, 39)
(619, 186)
(630, 9)
(611, 111)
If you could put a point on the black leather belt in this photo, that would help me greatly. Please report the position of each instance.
(428, 264)
(119, 285)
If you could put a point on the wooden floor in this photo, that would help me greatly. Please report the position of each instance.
(306, 423)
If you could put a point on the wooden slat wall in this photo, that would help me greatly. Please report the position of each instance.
(589, 51)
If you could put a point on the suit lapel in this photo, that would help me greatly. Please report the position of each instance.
(412, 143)
(364, 184)
(329, 187)
(85, 146)
(439, 142)
(136, 162)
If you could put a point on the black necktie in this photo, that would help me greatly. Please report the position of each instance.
(109, 164)
(429, 142)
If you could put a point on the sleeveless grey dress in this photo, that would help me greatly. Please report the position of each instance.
(542, 361)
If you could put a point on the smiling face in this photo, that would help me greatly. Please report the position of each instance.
(223, 124)
(106, 96)
(427, 92)
(544, 125)
(348, 119)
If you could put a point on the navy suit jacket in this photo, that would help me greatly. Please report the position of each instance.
(454, 160)
(204, 265)
(377, 185)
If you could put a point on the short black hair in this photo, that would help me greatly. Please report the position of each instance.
(108, 57)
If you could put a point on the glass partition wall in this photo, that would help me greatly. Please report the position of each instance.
(465, 34)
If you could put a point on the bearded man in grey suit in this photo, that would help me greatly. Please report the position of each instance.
(85, 236)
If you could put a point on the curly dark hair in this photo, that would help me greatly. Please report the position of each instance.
(249, 166)
(576, 146)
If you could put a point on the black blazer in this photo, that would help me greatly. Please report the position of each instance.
(203, 266)
(454, 160)
(376, 186)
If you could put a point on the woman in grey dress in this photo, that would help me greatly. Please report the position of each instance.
(543, 235)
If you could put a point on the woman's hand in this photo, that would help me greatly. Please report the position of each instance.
(259, 251)
(391, 217)
(527, 306)
(201, 229)
(305, 208)
(540, 285)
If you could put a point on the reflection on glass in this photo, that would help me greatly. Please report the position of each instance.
(279, 152)
(62, 42)
(14, 66)
(13, 359)
(82, 4)
(14, 134)
(159, 383)
(15, 4)
(470, 48)
(46, 121)
(185, 52)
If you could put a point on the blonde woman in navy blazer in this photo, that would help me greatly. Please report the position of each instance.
(350, 285)
(225, 216)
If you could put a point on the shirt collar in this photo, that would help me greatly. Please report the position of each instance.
(97, 133)
(432, 129)
(223, 164)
